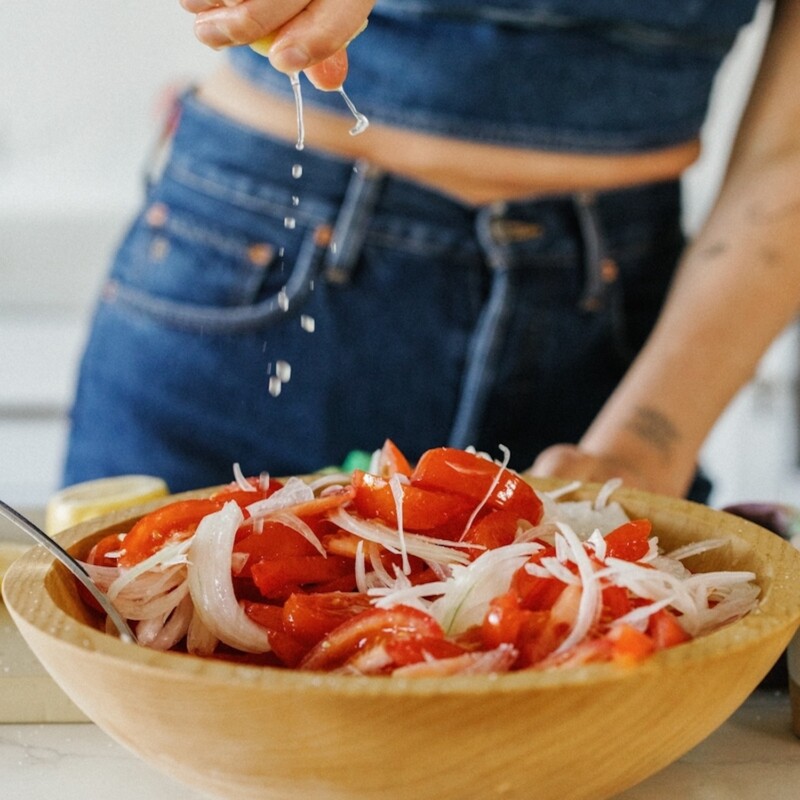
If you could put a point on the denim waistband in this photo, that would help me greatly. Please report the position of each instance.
(216, 154)
(596, 76)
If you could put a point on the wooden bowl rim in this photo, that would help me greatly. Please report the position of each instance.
(779, 608)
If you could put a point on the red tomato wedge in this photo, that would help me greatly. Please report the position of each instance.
(170, 523)
(367, 629)
(496, 529)
(423, 509)
(242, 497)
(322, 505)
(629, 541)
(286, 647)
(274, 540)
(277, 577)
(503, 621)
(98, 555)
(666, 630)
(450, 470)
(309, 617)
(630, 644)
(393, 462)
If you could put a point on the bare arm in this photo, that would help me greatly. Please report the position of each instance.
(736, 289)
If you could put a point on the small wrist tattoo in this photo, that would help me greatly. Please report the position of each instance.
(656, 429)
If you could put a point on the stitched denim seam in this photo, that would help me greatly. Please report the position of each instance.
(310, 212)
(224, 319)
(234, 247)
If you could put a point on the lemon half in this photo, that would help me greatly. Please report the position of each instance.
(83, 501)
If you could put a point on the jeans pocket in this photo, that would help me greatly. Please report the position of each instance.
(176, 269)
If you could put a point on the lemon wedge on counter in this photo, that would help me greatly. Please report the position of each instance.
(84, 501)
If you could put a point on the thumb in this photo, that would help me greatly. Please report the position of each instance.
(329, 74)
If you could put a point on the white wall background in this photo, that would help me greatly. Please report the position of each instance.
(80, 89)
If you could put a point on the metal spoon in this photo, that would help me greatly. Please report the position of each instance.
(22, 522)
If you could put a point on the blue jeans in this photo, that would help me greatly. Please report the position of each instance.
(280, 321)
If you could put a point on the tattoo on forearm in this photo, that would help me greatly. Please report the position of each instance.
(655, 429)
(713, 250)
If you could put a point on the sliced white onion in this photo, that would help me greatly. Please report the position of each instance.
(695, 548)
(293, 492)
(298, 526)
(590, 602)
(160, 603)
(164, 632)
(605, 492)
(334, 479)
(397, 496)
(425, 547)
(465, 595)
(492, 486)
(167, 556)
(241, 481)
(486, 662)
(361, 569)
(200, 641)
(211, 584)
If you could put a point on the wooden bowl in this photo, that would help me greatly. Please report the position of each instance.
(250, 732)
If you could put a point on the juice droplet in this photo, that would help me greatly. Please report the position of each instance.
(298, 104)
(307, 323)
(295, 200)
(283, 371)
(297, 171)
(275, 385)
(289, 223)
(283, 300)
(362, 123)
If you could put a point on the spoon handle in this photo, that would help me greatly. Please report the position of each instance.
(125, 632)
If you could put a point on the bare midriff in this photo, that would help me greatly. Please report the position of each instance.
(471, 172)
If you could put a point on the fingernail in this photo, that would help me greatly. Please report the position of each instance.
(358, 32)
(291, 58)
(211, 33)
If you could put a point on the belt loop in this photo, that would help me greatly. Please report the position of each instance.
(351, 225)
(600, 269)
(489, 335)
(158, 155)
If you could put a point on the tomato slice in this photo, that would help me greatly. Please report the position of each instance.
(629, 644)
(286, 647)
(322, 505)
(666, 630)
(536, 593)
(170, 523)
(98, 555)
(539, 637)
(616, 603)
(392, 461)
(276, 578)
(451, 470)
(423, 509)
(365, 630)
(496, 529)
(503, 621)
(630, 541)
(274, 540)
(309, 617)
(244, 498)
(411, 651)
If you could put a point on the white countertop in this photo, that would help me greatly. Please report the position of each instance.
(754, 756)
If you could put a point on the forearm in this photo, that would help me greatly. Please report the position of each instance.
(737, 287)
